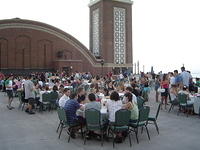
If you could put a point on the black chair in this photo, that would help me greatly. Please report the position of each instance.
(183, 105)
(93, 123)
(142, 121)
(153, 119)
(121, 124)
(63, 123)
(53, 99)
(140, 102)
(173, 103)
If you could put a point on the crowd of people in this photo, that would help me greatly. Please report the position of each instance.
(82, 91)
(173, 83)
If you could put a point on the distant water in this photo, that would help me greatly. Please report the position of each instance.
(194, 75)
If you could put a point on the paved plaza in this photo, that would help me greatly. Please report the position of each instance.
(20, 131)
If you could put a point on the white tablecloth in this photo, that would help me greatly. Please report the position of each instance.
(196, 105)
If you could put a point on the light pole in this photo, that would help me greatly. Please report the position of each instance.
(138, 67)
(102, 63)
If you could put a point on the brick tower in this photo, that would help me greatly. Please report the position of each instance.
(111, 33)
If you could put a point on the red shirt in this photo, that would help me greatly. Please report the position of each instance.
(165, 84)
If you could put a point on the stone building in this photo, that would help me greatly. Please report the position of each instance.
(27, 45)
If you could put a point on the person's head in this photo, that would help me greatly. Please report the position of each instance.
(128, 97)
(55, 88)
(92, 97)
(129, 89)
(164, 77)
(184, 88)
(46, 87)
(29, 77)
(110, 84)
(67, 92)
(114, 96)
(171, 74)
(73, 95)
(197, 79)
(133, 85)
(146, 84)
(10, 77)
(175, 72)
(80, 91)
(105, 92)
(61, 86)
(182, 69)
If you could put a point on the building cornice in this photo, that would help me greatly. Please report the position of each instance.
(92, 2)
(125, 1)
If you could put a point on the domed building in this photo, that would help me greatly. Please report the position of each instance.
(27, 45)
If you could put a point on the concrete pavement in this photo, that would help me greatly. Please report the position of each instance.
(20, 131)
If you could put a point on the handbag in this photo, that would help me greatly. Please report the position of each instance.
(161, 90)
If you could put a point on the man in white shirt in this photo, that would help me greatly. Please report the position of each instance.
(65, 97)
(186, 77)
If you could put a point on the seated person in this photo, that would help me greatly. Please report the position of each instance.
(64, 98)
(197, 82)
(174, 93)
(129, 90)
(61, 89)
(105, 92)
(110, 87)
(71, 106)
(81, 94)
(184, 91)
(93, 103)
(132, 107)
(136, 90)
(113, 105)
(146, 91)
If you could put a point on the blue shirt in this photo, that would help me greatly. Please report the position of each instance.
(71, 106)
(178, 79)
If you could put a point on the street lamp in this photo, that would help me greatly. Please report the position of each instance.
(102, 63)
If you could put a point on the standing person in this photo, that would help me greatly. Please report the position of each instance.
(9, 90)
(186, 77)
(157, 85)
(29, 94)
(178, 78)
(165, 84)
(172, 79)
